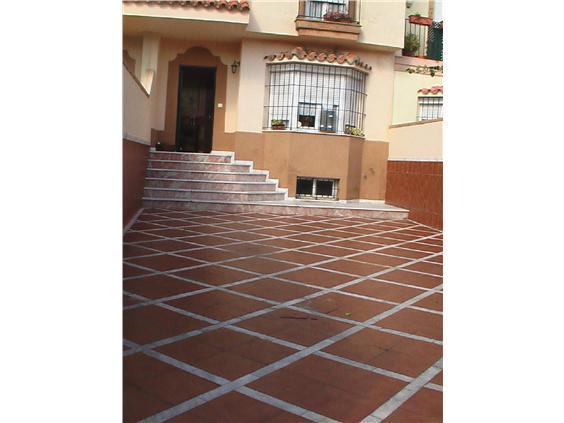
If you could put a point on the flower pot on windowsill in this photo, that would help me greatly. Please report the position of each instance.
(337, 17)
(278, 127)
(409, 53)
(420, 20)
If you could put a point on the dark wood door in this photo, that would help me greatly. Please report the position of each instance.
(194, 122)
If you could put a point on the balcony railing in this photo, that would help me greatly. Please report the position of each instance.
(424, 40)
(321, 9)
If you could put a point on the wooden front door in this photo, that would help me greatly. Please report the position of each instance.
(194, 122)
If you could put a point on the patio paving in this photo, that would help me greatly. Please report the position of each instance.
(251, 317)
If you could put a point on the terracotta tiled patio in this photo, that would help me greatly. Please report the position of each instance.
(265, 318)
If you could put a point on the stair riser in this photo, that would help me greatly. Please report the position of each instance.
(206, 185)
(191, 157)
(282, 210)
(212, 196)
(248, 177)
(210, 167)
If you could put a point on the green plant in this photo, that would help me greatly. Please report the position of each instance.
(425, 70)
(277, 122)
(411, 43)
(417, 14)
(351, 130)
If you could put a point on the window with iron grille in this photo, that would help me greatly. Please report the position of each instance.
(317, 9)
(314, 98)
(430, 108)
(317, 188)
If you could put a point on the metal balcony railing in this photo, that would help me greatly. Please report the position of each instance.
(321, 9)
(424, 40)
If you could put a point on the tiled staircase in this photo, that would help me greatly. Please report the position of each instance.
(214, 177)
(216, 181)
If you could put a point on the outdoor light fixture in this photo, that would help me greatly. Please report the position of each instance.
(409, 3)
(234, 66)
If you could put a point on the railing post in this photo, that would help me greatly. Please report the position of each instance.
(301, 8)
(352, 10)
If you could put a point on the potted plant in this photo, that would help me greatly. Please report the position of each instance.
(277, 124)
(353, 130)
(420, 20)
(338, 17)
(410, 45)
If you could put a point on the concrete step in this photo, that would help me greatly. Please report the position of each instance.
(192, 157)
(206, 175)
(179, 183)
(286, 207)
(211, 195)
(197, 165)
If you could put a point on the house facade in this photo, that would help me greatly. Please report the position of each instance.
(311, 91)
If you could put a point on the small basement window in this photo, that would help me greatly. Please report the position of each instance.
(317, 188)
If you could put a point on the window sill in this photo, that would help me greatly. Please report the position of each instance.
(327, 29)
(298, 131)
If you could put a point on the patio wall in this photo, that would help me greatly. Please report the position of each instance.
(415, 171)
(417, 186)
(136, 144)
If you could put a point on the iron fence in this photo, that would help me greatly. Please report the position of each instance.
(428, 39)
(317, 9)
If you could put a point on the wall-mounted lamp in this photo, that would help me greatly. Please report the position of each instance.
(409, 3)
(234, 66)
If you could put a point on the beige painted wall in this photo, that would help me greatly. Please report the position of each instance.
(382, 22)
(136, 110)
(418, 6)
(134, 47)
(406, 86)
(379, 87)
(423, 140)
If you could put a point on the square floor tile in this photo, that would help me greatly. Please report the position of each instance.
(129, 271)
(415, 322)
(380, 259)
(159, 286)
(168, 245)
(383, 290)
(130, 251)
(412, 278)
(218, 305)
(294, 326)
(138, 404)
(426, 267)
(425, 406)
(345, 306)
(251, 249)
(299, 257)
(244, 236)
(273, 289)
(172, 385)
(317, 277)
(164, 262)
(215, 275)
(432, 302)
(151, 323)
(210, 255)
(386, 351)
(332, 389)
(329, 251)
(261, 265)
(284, 243)
(236, 408)
(209, 240)
(139, 236)
(355, 245)
(402, 252)
(353, 267)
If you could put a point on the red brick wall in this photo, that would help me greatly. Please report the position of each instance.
(135, 157)
(417, 186)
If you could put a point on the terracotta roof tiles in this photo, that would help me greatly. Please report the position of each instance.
(241, 5)
(433, 90)
(320, 56)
